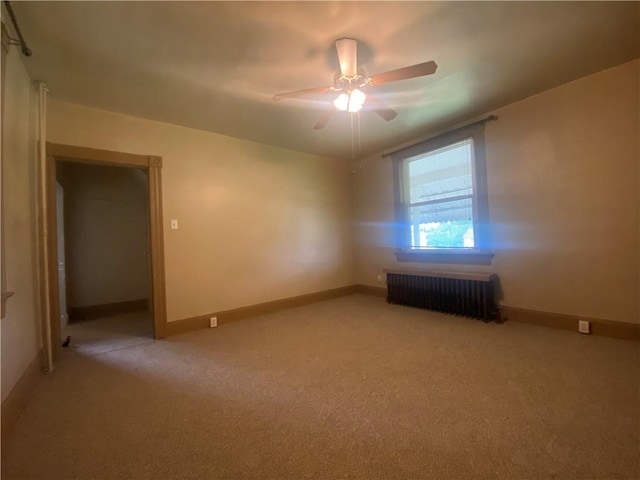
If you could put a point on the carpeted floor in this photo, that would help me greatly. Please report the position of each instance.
(348, 388)
(112, 333)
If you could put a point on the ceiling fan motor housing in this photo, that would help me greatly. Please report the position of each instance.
(344, 83)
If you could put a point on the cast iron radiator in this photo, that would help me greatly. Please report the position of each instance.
(459, 293)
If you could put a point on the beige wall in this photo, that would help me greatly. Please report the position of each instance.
(256, 223)
(563, 178)
(106, 233)
(20, 328)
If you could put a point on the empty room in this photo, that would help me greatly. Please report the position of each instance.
(328, 240)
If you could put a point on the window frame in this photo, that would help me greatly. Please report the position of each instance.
(480, 253)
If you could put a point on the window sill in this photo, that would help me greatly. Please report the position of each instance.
(443, 255)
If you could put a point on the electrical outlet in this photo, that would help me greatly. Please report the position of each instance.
(213, 322)
(379, 278)
(174, 224)
(584, 326)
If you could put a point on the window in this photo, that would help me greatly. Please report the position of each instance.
(441, 199)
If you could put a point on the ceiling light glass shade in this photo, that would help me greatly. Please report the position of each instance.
(351, 101)
(356, 100)
(342, 102)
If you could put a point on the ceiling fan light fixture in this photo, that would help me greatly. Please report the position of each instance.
(351, 101)
(356, 100)
(342, 102)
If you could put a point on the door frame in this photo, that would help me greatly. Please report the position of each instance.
(153, 165)
(60, 202)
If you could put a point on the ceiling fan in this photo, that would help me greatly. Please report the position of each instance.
(351, 81)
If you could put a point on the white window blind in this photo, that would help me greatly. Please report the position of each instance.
(440, 195)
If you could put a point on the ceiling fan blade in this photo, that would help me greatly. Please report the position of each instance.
(386, 112)
(301, 93)
(347, 56)
(324, 119)
(405, 73)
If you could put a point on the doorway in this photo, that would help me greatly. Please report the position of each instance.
(103, 256)
(150, 168)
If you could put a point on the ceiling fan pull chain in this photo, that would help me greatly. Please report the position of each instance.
(359, 140)
(353, 142)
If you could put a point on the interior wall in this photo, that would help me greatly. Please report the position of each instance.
(19, 329)
(106, 233)
(563, 181)
(256, 223)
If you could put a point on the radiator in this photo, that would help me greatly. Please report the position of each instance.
(465, 294)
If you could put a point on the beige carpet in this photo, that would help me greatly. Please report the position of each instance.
(348, 388)
(103, 335)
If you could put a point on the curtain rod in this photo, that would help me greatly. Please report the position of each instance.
(26, 51)
(490, 118)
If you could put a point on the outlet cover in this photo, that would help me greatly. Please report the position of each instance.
(584, 326)
(213, 322)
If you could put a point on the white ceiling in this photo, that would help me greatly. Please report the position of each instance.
(215, 65)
